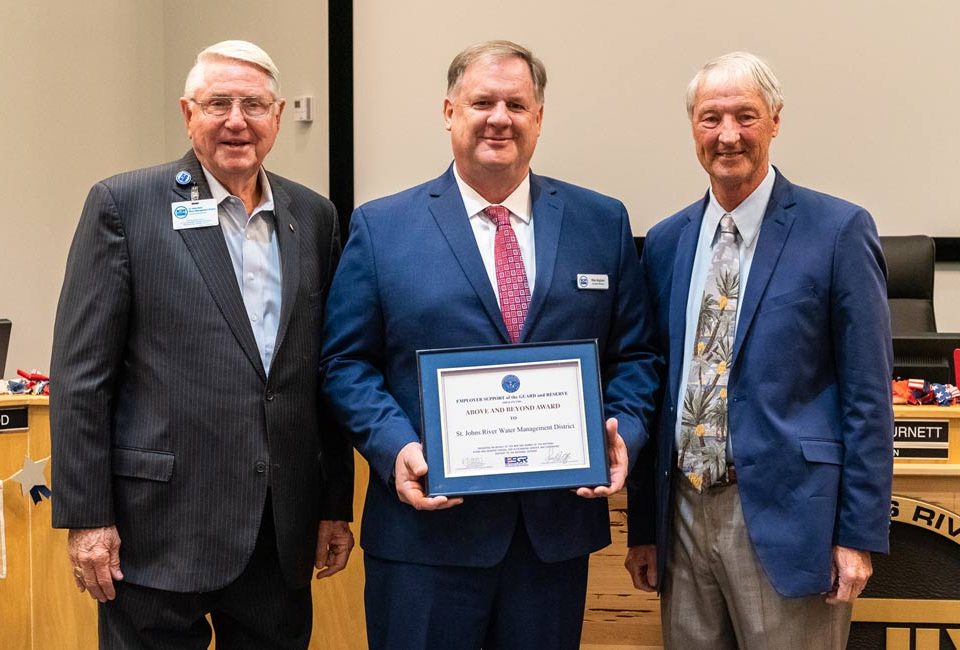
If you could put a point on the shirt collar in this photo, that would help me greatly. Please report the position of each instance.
(518, 202)
(220, 193)
(749, 214)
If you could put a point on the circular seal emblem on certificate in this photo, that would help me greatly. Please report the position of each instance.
(510, 383)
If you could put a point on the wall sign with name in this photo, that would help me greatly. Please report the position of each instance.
(921, 438)
(13, 419)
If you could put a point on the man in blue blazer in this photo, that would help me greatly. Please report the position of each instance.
(763, 518)
(422, 270)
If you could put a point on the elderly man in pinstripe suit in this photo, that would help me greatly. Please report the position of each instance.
(185, 417)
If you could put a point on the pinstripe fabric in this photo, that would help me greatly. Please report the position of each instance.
(162, 419)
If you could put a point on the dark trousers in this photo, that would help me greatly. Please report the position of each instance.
(257, 611)
(519, 603)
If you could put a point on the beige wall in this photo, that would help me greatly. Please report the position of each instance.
(870, 90)
(81, 98)
(90, 89)
(294, 33)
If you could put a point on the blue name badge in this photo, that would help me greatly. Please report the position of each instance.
(194, 214)
(511, 418)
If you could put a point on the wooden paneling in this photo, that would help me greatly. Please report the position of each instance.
(41, 606)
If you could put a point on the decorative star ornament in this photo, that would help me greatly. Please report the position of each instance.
(31, 479)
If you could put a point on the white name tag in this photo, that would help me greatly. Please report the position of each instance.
(194, 214)
(598, 281)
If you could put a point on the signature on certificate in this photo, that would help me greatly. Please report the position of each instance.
(557, 457)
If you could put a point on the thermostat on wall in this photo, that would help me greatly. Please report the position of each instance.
(301, 108)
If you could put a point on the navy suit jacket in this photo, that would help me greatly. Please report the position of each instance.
(411, 277)
(811, 421)
(163, 420)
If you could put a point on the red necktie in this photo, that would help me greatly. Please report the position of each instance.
(511, 274)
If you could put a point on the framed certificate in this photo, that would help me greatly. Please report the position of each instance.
(510, 418)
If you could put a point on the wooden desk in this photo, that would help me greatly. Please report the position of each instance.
(41, 605)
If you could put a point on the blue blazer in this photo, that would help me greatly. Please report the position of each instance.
(810, 410)
(411, 278)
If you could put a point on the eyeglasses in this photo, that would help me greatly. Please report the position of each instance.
(250, 106)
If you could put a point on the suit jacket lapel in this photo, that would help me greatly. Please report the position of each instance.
(210, 254)
(680, 290)
(288, 235)
(452, 219)
(776, 225)
(548, 216)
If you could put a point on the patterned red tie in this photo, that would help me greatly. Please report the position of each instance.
(511, 274)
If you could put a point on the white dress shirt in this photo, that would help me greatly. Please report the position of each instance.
(521, 220)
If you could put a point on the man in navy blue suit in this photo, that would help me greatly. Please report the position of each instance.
(423, 269)
(774, 451)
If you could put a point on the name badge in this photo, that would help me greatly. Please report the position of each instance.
(596, 281)
(194, 214)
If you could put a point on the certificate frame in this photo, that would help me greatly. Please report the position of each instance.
(504, 362)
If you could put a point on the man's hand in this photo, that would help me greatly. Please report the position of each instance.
(850, 572)
(409, 468)
(334, 543)
(641, 564)
(617, 455)
(95, 556)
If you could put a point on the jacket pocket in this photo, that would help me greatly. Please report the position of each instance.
(818, 450)
(142, 463)
(784, 299)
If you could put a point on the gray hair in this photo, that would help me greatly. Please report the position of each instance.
(496, 50)
(739, 66)
(234, 50)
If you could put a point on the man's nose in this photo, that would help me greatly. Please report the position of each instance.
(729, 130)
(499, 115)
(235, 118)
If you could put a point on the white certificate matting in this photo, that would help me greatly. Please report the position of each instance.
(511, 418)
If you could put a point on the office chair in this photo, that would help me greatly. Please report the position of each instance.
(910, 263)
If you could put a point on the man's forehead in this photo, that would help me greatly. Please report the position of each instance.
(484, 67)
(731, 91)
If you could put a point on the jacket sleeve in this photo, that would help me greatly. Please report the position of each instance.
(864, 364)
(88, 341)
(631, 363)
(336, 450)
(353, 356)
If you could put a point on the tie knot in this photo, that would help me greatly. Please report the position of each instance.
(498, 214)
(727, 225)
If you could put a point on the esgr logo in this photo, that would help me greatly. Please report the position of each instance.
(510, 383)
(516, 460)
(180, 212)
(583, 281)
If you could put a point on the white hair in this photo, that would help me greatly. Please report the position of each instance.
(237, 51)
(738, 66)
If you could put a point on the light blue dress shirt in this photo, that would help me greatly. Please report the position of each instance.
(748, 216)
(252, 242)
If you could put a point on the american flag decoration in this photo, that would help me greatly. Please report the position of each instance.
(917, 384)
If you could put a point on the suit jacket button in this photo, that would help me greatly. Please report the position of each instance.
(261, 467)
(270, 396)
